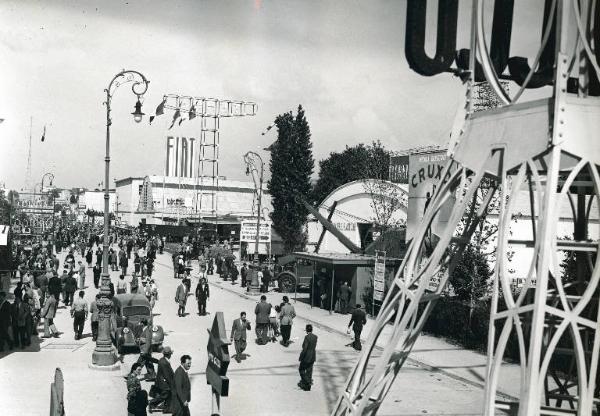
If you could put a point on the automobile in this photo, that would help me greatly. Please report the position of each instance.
(130, 309)
(291, 271)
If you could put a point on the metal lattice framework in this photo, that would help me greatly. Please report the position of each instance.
(209, 111)
(547, 152)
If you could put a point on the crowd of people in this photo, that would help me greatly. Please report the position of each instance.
(41, 289)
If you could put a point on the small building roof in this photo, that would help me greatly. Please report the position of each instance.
(349, 259)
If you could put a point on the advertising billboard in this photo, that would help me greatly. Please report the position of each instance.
(398, 172)
(248, 232)
(424, 175)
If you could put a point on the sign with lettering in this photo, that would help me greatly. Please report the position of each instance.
(425, 175)
(379, 276)
(248, 232)
(218, 356)
(398, 172)
(182, 157)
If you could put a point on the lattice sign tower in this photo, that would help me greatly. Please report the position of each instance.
(542, 155)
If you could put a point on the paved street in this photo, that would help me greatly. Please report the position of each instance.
(263, 384)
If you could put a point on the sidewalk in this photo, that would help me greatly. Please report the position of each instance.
(435, 354)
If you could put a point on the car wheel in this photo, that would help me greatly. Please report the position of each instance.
(286, 283)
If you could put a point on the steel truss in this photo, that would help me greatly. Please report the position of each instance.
(209, 111)
(547, 152)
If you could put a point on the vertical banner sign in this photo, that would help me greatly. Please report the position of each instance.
(424, 176)
(399, 169)
(379, 276)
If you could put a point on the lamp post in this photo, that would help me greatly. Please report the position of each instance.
(44, 177)
(104, 355)
(252, 160)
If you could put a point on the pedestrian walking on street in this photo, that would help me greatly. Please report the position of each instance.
(48, 313)
(286, 318)
(263, 312)
(123, 262)
(357, 321)
(244, 274)
(266, 279)
(202, 295)
(99, 256)
(273, 331)
(134, 284)
(145, 343)
(239, 336)
(43, 281)
(63, 285)
(89, 256)
(24, 322)
(307, 359)
(5, 323)
(136, 264)
(81, 272)
(79, 313)
(164, 384)
(121, 285)
(94, 317)
(70, 287)
(344, 295)
(97, 271)
(181, 298)
(182, 393)
(133, 387)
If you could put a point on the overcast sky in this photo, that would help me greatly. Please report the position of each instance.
(342, 60)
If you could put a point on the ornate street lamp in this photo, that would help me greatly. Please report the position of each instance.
(104, 354)
(252, 160)
(51, 176)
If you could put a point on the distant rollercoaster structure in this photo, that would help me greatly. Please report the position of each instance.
(545, 151)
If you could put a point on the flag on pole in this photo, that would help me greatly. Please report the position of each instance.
(268, 128)
(44, 134)
(192, 113)
(175, 117)
(160, 110)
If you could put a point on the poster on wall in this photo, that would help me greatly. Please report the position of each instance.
(379, 276)
(424, 176)
(398, 172)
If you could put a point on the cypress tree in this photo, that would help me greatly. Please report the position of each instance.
(291, 166)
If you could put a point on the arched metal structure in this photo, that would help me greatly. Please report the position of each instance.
(547, 152)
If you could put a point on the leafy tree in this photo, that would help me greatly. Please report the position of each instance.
(291, 166)
(470, 277)
(354, 163)
(5, 207)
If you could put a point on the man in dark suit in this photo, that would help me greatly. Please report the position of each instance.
(357, 321)
(262, 311)
(202, 295)
(182, 391)
(307, 359)
(164, 382)
(238, 335)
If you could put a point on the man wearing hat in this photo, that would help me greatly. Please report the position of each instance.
(164, 382)
(307, 359)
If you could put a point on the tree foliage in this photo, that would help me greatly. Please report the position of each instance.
(291, 166)
(5, 207)
(354, 163)
(470, 277)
